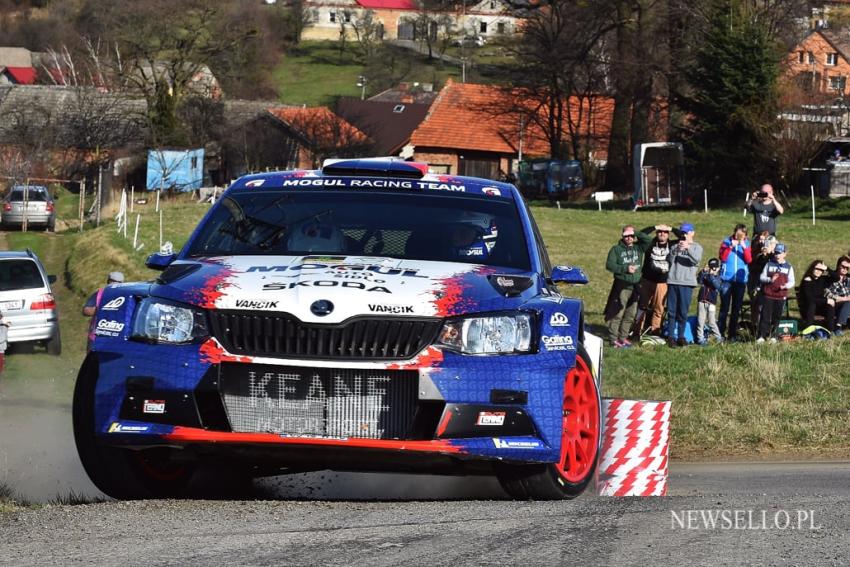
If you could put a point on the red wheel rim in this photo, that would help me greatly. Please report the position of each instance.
(580, 437)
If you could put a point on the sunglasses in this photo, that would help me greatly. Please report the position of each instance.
(844, 267)
(629, 236)
(662, 231)
(816, 269)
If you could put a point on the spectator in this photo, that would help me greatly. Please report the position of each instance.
(653, 281)
(93, 301)
(764, 208)
(712, 286)
(736, 255)
(812, 295)
(4, 341)
(624, 261)
(684, 260)
(838, 297)
(762, 251)
(777, 278)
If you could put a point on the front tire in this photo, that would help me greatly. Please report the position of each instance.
(580, 437)
(122, 473)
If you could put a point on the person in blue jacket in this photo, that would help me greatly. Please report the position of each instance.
(736, 254)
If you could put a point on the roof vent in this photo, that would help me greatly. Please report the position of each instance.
(398, 109)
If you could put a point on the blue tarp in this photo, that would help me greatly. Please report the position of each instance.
(178, 170)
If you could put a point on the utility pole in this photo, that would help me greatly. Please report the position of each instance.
(519, 153)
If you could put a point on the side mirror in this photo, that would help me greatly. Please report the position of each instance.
(159, 261)
(51, 279)
(569, 275)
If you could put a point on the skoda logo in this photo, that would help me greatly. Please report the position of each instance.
(321, 307)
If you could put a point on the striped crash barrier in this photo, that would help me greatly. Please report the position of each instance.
(635, 448)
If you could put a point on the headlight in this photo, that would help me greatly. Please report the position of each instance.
(168, 323)
(498, 334)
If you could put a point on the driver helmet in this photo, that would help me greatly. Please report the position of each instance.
(473, 235)
(316, 236)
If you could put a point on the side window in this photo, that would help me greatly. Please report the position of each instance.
(541, 247)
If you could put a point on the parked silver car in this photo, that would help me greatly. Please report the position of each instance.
(27, 301)
(40, 209)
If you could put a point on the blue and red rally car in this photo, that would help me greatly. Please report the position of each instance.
(368, 316)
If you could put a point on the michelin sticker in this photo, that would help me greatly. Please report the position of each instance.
(508, 444)
(114, 304)
(559, 320)
(107, 328)
(558, 343)
(123, 428)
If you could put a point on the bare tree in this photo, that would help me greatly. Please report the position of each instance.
(368, 32)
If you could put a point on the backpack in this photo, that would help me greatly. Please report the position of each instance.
(815, 332)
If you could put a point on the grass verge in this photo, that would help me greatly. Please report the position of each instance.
(8, 501)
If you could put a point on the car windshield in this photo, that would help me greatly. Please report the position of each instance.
(34, 195)
(19, 274)
(470, 229)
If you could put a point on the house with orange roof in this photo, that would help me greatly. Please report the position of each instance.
(317, 133)
(464, 135)
(820, 63)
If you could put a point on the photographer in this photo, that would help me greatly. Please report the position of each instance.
(764, 208)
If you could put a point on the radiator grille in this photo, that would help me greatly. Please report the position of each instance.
(319, 402)
(284, 336)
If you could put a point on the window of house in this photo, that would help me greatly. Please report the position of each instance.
(482, 27)
(800, 57)
(831, 58)
(492, 4)
(500, 27)
(838, 83)
(333, 17)
(347, 17)
(811, 58)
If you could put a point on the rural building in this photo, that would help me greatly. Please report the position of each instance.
(820, 63)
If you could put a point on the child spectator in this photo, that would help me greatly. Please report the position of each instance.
(812, 296)
(776, 278)
(4, 336)
(712, 286)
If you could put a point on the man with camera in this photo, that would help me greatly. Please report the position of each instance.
(765, 208)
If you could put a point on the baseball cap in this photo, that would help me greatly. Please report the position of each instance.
(116, 277)
(779, 248)
(686, 227)
(714, 263)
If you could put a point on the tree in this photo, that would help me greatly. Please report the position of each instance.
(162, 46)
(368, 32)
(733, 104)
(556, 57)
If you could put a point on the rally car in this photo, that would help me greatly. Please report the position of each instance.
(367, 316)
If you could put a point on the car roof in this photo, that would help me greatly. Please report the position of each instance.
(21, 187)
(18, 254)
(374, 173)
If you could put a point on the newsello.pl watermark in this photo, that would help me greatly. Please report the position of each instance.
(743, 520)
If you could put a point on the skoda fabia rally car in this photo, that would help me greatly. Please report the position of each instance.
(368, 316)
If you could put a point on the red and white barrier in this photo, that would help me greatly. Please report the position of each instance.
(635, 447)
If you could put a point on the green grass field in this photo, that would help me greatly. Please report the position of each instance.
(315, 68)
(728, 400)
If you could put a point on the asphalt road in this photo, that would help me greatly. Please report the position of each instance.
(775, 514)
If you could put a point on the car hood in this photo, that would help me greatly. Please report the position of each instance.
(330, 289)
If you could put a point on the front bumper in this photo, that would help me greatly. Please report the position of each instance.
(467, 409)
